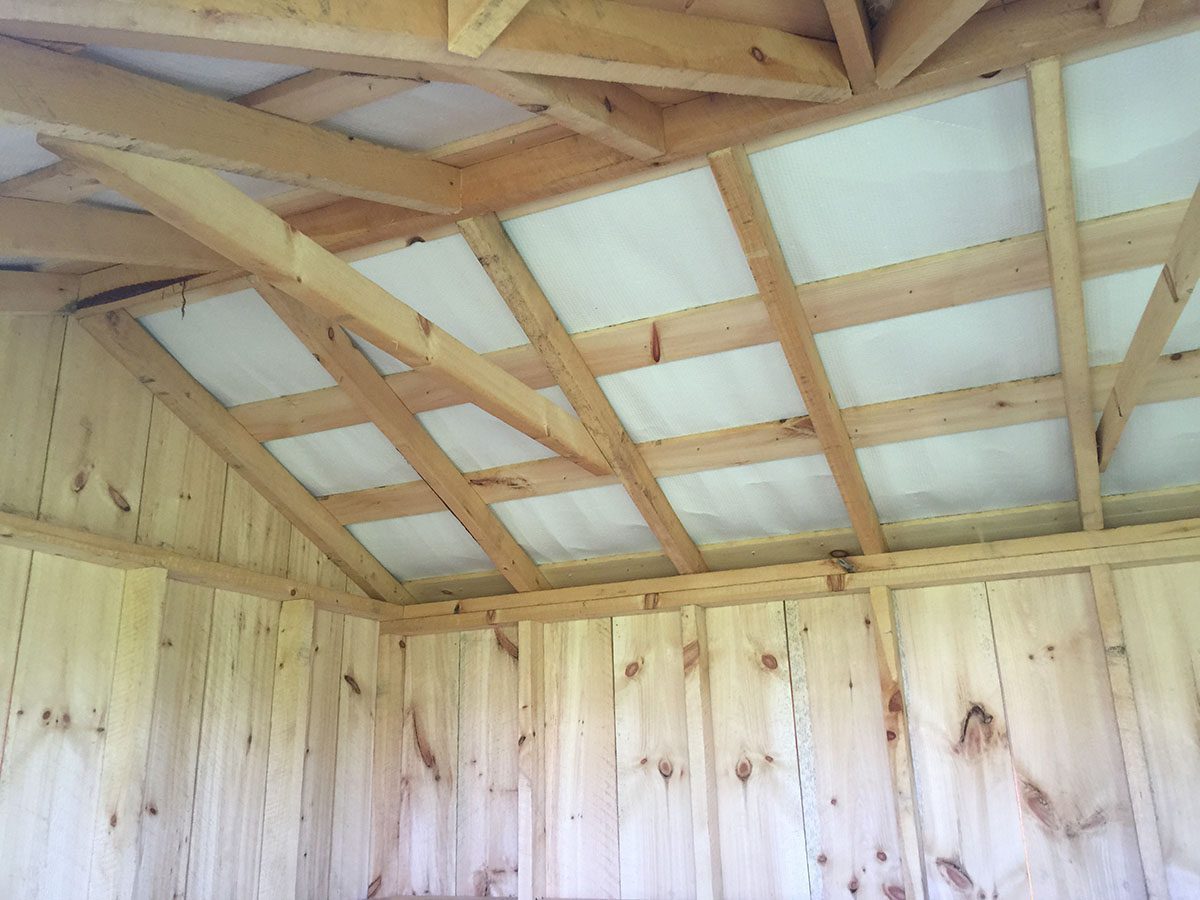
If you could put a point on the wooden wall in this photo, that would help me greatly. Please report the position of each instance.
(164, 740)
(1017, 738)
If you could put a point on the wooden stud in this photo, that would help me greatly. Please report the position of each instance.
(706, 839)
(914, 29)
(520, 290)
(475, 24)
(531, 768)
(1048, 104)
(358, 377)
(853, 33)
(748, 212)
(1171, 292)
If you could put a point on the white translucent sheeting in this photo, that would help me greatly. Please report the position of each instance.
(645, 250)
(474, 439)
(344, 459)
(20, 153)
(223, 78)
(1159, 449)
(422, 546)
(444, 282)
(781, 497)
(428, 116)
(238, 349)
(1114, 306)
(944, 350)
(578, 525)
(949, 175)
(1134, 124)
(1018, 465)
(736, 387)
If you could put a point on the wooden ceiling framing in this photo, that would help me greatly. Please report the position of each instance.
(620, 90)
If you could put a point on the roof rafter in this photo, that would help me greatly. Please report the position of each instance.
(1049, 110)
(122, 336)
(475, 24)
(853, 33)
(912, 30)
(63, 96)
(1175, 285)
(748, 212)
(358, 377)
(537, 318)
(201, 204)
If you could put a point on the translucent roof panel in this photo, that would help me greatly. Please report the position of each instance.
(579, 525)
(20, 152)
(645, 250)
(944, 350)
(428, 116)
(238, 349)
(1159, 449)
(223, 78)
(1134, 125)
(736, 387)
(952, 174)
(780, 497)
(1114, 305)
(422, 546)
(1018, 465)
(344, 459)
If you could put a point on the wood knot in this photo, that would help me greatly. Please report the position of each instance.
(79, 482)
(743, 769)
(118, 499)
(758, 54)
(112, 821)
(836, 583)
(954, 874)
(650, 601)
(608, 105)
(894, 892)
(665, 768)
(691, 655)
(374, 886)
(881, 856)
(655, 343)
(535, 108)
(353, 684)
(852, 886)
(152, 809)
(632, 669)
(426, 325)
(822, 859)
(507, 644)
(769, 661)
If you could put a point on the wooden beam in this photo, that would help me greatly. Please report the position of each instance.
(853, 33)
(217, 214)
(56, 231)
(524, 296)
(601, 40)
(74, 98)
(1119, 12)
(475, 24)
(1048, 105)
(313, 96)
(133, 347)
(36, 293)
(358, 377)
(912, 30)
(757, 235)
(1171, 292)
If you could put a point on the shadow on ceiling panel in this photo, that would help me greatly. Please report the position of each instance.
(1159, 449)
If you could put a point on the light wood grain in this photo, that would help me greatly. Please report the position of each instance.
(37, 293)
(853, 34)
(386, 768)
(30, 356)
(706, 838)
(475, 24)
(912, 30)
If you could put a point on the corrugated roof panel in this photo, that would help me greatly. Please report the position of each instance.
(344, 459)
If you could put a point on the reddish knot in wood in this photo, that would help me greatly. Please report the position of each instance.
(665, 768)
(769, 661)
(608, 105)
(112, 821)
(632, 669)
(374, 886)
(743, 769)
(758, 54)
(353, 684)
(655, 343)
(152, 809)
(836, 583)
(79, 482)
(691, 655)
(881, 856)
(650, 601)
(956, 876)
(507, 644)
(118, 499)
(426, 325)
(852, 886)
(822, 859)
(896, 702)
(894, 892)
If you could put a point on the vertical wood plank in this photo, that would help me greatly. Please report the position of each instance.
(706, 839)
(118, 825)
(1075, 807)
(350, 861)
(386, 768)
(30, 353)
(253, 534)
(582, 852)
(652, 758)
(965, 796)
(49, 787)
(307, 563)
(1159, 608)
(232, 770)
(97, 451)
(285, 755)
(429, 766)
(14, 581)
(855, 846)
(531, 771)
(758, 784)
(487, 757)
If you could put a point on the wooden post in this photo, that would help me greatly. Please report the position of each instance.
(531, 777)
(706, 836)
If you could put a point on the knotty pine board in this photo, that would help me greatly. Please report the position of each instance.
(1074, 801)
(966, 799)
(14, 580)
(653, 777)
(582, 851)
(487, 761)
(853, 835)
(759, 812)
(30, 351)
(386, 767)
(1160, 611)
(254, 534)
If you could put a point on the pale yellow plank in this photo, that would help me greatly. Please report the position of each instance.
(488, 743)
(758, 784)
(582, 852)
(254, 534)
(14, 579)
(1078, 824)
(50, 784)
(965, 796)
(697, 685)
(531, 770)
(30, 351)
(386, 768)
(429, 766)
(653, 770)
(350, 861)
(1160, 611)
